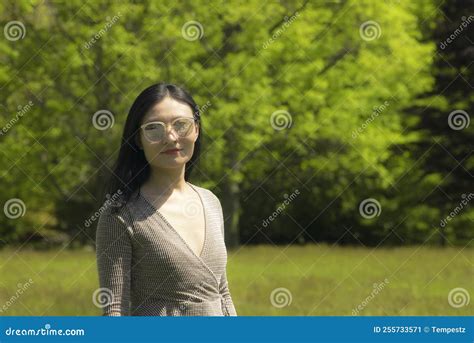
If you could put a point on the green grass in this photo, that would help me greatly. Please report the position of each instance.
(321, 280)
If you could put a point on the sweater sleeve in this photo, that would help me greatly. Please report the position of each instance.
(224, 285)
(114, 256)
(224, 290)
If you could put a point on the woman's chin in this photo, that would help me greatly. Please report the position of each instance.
(170, 163)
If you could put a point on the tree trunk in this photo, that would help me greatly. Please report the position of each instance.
(231, 209)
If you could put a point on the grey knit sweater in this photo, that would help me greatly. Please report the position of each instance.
(147, 269)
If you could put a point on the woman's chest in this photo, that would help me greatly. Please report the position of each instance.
(175, 240)
(165, 243)
(189, 222)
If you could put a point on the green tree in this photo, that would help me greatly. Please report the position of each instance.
(443, 116)
(295, 95)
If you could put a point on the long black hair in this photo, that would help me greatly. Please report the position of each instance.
(131, 169)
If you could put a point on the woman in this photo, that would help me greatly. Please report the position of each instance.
(160, 249)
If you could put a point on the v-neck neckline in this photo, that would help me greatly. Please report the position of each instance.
(201, 255)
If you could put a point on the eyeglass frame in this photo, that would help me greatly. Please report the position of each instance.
(194, 121)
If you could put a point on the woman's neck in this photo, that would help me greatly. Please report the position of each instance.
(165, 182)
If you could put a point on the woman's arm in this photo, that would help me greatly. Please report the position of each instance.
(224, 290)
(114, 256)
(224, 285)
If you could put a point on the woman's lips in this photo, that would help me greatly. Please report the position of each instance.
(172, 151)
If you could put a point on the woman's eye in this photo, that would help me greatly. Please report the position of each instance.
(153, 127)
(180, 125)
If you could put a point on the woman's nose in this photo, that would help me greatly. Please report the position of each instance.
(171, 135)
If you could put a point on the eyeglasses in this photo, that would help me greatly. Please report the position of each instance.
(156, 131)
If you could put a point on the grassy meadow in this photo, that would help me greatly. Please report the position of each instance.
(265, 280)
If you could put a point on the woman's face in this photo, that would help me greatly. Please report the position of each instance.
(166, 111)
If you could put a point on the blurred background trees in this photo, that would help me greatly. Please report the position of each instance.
(333, 115)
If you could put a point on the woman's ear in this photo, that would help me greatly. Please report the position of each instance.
(197, 131)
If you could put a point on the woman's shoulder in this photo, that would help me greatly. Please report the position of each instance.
(206, 193)
(114, 210)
